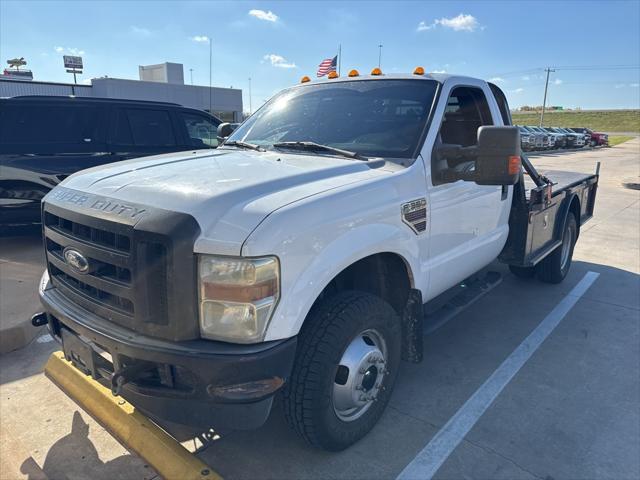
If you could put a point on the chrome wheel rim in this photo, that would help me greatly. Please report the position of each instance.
(566, 248)
(359, 376)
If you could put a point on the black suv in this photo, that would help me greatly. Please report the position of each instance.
(44, 139)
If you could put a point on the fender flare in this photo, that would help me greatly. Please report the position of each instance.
(564, 215)
(334, 258)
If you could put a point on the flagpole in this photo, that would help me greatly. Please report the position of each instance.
(339, 57)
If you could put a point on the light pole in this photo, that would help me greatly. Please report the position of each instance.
(379, 55)
(210, 74)
(544, 101)
(250, 109)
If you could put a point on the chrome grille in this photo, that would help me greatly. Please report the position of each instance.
(107, 288)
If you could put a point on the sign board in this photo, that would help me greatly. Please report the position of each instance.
(72, 62)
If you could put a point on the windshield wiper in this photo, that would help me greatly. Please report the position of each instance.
(314, 147)
(241, 144)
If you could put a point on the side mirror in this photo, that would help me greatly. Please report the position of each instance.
(224, 130)
(498, 156)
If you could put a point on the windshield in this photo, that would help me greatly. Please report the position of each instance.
(374, 118)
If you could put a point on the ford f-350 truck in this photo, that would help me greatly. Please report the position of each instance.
(296, 258)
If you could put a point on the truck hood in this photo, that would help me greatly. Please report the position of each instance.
(228, 192)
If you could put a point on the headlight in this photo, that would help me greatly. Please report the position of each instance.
(237, 297)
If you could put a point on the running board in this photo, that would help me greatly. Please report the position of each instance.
(457, 299)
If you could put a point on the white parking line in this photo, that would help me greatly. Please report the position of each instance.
(430, 459)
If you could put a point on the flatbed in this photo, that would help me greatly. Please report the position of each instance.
(541, 204)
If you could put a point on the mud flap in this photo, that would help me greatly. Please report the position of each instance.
(412, 328)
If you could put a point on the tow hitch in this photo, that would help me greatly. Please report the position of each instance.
(127, 374)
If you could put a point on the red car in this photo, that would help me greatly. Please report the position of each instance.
(598, 139)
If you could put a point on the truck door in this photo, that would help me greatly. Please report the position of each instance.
(468, 225)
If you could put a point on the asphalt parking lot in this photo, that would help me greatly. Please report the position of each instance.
(572, 411)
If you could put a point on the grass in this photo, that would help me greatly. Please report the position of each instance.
(618, 139)
(598, 120)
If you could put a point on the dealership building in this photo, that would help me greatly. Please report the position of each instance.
(163, 82)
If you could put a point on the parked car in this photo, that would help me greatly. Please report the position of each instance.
(44, 139)
(574, 139)
(571, 137)
(547, 141)
(559, 139)
(538, 138)
(596, 139)
(297, 260)
(527, 139)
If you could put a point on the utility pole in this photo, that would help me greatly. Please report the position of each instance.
(210, 74)
(191, 73)
(379, 55)
(339, 58)
(250, 108)
(544, 101)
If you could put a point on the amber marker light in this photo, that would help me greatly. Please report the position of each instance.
(376, 71)
(354, 73)
(305, 79)
(514, 165)
(418, 71)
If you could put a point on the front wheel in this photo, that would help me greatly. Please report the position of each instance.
(554, 268)
(345, 369)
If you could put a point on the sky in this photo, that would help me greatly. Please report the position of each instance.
(592, 44)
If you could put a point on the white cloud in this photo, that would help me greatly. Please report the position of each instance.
(199, 39)
(619, 85)
(140, 31)
(634, 85)
(262, 15)
(526, 78)
(557, 81)
(460, 23)
(497, 80)
(422, 26)
(69, 51)
(279, 61)
(439, 71)
(517, 90)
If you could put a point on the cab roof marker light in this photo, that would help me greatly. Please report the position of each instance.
(354, 73)
(376, 71)
(418, 71)
(305, 79)
(333, 74)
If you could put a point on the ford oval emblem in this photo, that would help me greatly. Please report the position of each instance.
(76, 260)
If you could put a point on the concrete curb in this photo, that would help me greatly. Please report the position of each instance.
(18, 336)
(134, 430)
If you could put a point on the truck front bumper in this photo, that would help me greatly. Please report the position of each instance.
(199, 383)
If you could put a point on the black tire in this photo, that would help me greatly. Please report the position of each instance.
(554, 268)
(328, 330)
(522, 272)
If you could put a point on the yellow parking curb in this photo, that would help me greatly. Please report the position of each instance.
(170, 459)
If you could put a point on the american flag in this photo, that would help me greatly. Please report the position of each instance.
(327, 65)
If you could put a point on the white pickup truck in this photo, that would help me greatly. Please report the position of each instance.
(296, 257)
